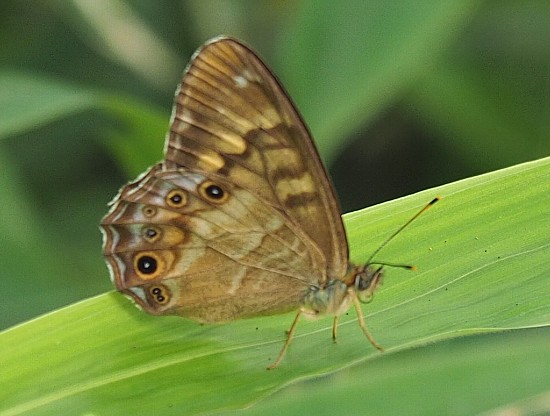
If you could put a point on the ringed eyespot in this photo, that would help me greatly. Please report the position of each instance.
(176, 198)
(160, 294)
(213, 192)
(149, 211)
(148, 265)
(151, 234)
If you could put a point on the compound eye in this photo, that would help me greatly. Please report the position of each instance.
(367, 282)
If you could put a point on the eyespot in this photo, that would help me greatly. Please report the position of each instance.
(160, 294)
(149, 211)
(148, 265)
(213, 192)
(151, 234)
(176, 198)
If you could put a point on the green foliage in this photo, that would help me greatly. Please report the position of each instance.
(103, 355)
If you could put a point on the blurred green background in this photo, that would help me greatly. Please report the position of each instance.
(400, 96)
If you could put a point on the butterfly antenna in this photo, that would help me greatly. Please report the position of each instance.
(391, 237)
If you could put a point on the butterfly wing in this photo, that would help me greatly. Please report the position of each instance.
(240, 219)
(232, 118)
(177, 249)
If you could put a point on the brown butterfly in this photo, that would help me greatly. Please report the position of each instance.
(240, 218)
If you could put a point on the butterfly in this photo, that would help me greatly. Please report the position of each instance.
(240, 218)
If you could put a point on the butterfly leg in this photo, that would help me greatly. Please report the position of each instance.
(357, 305)
(289, 337)
(335, 327)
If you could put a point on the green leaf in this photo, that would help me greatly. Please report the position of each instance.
(502, 374)
(26, 250)
(458, 102)
(37, 254)
(483, 259)
(344, 64)
(31, 100)
(138, 137)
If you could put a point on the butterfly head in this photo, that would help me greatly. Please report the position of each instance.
(367, 279)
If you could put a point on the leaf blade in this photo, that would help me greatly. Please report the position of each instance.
(103, 355)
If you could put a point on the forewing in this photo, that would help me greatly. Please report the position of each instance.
(233, 120)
